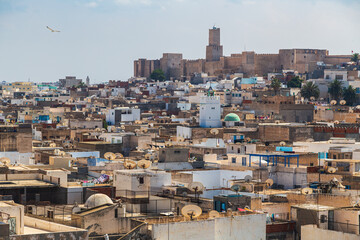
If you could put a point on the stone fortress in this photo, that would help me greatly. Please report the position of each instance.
(247, 62)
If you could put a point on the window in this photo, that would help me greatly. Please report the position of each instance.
(141, 180)
(233, 160)
(177, 152)
(116, 213)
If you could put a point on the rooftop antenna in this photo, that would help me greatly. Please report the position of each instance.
(129, 164)
(269, 182)
(196, 187)
(248, 178)
(306, 191)
(143, 164)
(214, 214)
(191, 211)
(235, 188)
(110, 156)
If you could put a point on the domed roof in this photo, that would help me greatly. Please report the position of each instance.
(97, 199)
(232, 117)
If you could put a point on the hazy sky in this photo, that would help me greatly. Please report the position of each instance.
(101, 38)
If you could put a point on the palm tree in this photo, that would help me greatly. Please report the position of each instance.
(349, 95)
(355, 58)
(276, 85)
(336, 90)
(310, 90)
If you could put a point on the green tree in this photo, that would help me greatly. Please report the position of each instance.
(336, 90)
(310, 90)
(295, 82)
(355, 58)
(276, 85)
(105, 125)
(158, 74)
(349, 95)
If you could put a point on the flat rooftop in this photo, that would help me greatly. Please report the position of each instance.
(25, 183)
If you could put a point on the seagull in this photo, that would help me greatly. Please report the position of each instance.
(52, 30)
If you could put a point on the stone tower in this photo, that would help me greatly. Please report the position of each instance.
(87, 81)
(214, 50)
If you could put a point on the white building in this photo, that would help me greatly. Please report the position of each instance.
(122, 114)
(210, 112)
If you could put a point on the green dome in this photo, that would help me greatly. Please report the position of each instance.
(232, 117)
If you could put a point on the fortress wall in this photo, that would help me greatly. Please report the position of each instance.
(193, 66)
(265, 63)
(215, 66)
(337, 59)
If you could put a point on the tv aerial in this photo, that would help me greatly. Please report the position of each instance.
(331, 170)
(129, 164)
(214, 214)
(5, 161)
(248, 178)
(235, 188)
(144, 164)
(196, 187)
(214, 131)
(110, 156)
(269, 182)
(191, 211)
(306, 191)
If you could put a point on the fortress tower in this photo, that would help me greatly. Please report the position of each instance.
(214, 50)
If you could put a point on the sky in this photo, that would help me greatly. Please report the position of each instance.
(102, 38)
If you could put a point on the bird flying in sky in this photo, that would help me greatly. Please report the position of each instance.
(52, 30)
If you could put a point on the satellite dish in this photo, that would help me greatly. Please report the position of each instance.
(180, 139)
(235, 188)
(147, 156)
(306, 191)
(113, 128)
(214, 131)
(282, 143)
(277, 121)
(52, 145)
(191, 211)
(336, 122)
(122, 127)
(312, 98)
(269, 182)
(164, 113)
(331, 170)
(138, 122)
(309, 140)
(118, 155)
(62, 153)
(333, 102)
(143, 164)
(214, 214)
(110, 156)
(57, 151)
(196, 187)
(5, 161)
(129, 164)
(248, 178)
(342, 102)
(97, 129)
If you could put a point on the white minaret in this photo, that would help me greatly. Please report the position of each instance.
(210, 111)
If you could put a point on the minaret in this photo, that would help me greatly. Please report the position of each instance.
(214, 50)
(87, 81)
